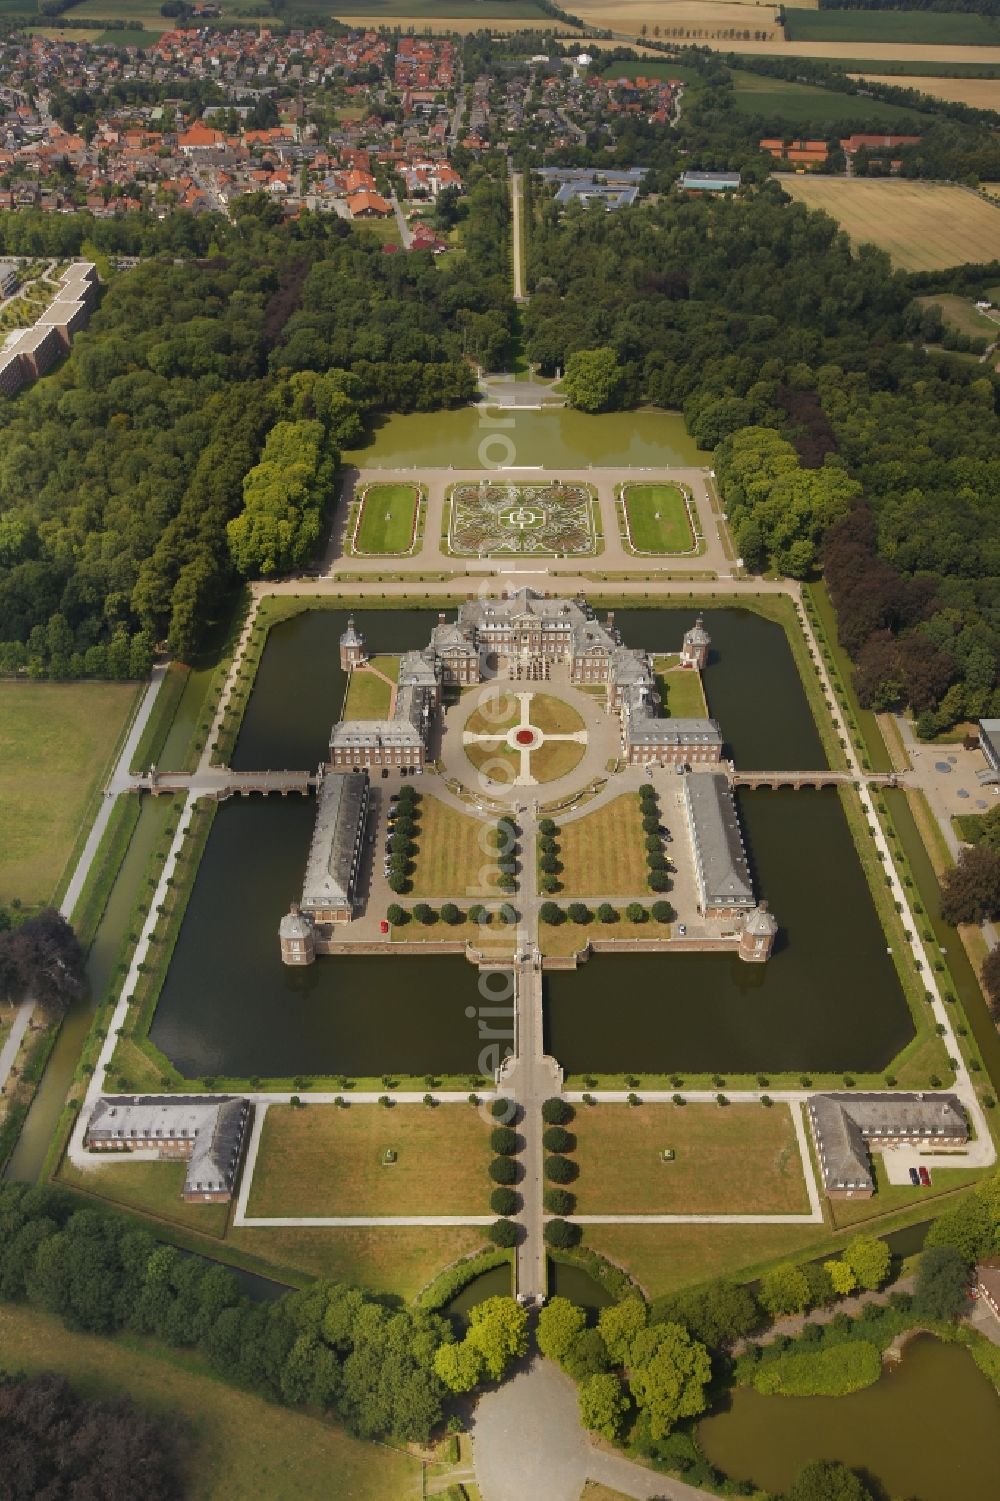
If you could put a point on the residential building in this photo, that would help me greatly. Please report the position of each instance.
(846, 1127)
(206, 1131)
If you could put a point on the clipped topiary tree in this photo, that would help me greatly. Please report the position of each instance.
(561, 1235)
(504, 1170)
(423, 914)
(505, 1201)
(502, 1109)
(450, 914)
(579, 913)
(503, 1233)
(606, 913)
(559, 1169)
(636, 912)
(503, 1141)
(551, 914)
(662, 912)
(556, 1111)
(394, 914)
(558, 1139)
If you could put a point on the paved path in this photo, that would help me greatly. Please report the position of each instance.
(25, 1011)
(405, 232)
(517, 233)
(528, 1445)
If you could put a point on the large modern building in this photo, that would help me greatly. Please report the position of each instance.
(329, 888)
(846, 1126)
(205, 1130)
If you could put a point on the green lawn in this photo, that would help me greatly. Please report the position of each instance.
(960, 314)
(149, 1187)
(658, 519)
(396, 1259)
(56, 743)
(455, 854)
(233, 1445)
(324, 1160)
(739, 1160)
(369, 696)
(388, 519)
(681, 691)
(603, 853)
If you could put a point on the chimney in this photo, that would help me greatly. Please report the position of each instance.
(611, 619)
(440, 617)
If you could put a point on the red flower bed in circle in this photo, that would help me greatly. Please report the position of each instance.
(525, 737)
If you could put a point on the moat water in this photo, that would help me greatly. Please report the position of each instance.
(928, 1430)
(829, 998)
(751, 682)
(489, 438)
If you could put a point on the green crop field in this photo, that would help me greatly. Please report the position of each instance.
(429, 10)
(387, 522)
(658, 519)
(927, 27)
(801, 103)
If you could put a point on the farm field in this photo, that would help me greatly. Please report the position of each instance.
(803, 103)
(323, 1160)
(681, 20)
(232, 1444)
(907, 27)
(738, 1160)
(658, 521)
(603, 853)
(387, 521)
(923, 226)
(56, 742)
(980, 93)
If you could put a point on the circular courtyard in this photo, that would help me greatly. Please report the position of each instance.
(520, 737)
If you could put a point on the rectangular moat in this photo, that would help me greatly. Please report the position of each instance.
(828, 999)
(751, 682)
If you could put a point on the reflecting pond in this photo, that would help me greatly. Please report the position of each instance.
(751, 682)
(490, 438)
(929, 1430)
(828, 999)
(498, 1282)
(229, 1006)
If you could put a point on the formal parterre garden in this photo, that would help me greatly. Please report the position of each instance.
(487, 519)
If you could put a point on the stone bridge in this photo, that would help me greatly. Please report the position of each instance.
(814, 779)
(221, 783)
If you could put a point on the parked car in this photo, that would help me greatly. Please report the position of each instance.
(914, 1177)
(681, 930)
(925, 1178)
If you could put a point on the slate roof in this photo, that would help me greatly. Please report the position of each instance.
(340, 809)
(842, 1124)
(720, 858)
(216, 1124)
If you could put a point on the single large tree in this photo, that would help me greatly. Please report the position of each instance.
(970, 892)
(668, 1373)
(593, 379)
(559, 1324)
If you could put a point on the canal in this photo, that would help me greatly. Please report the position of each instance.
(928, 1430)
(751, 682)
(29, 1154)
(828, 999)
(490, 438)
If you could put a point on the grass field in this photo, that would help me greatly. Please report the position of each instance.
(960, 314)
(923, 27)
(657, 518)
(398, 1259)
(554, 716)
(368, 694)
(923, 226)
(455, 854)
(602, 853)
(387, 522)
(801, 103)
(663, 1258)
(739, 1160)
(324, 1160)
(56, 742)
(152, 1188)
(981, 93)
(681, 690)
(556, 759)
(233, 1445)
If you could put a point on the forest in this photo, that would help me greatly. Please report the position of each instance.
(756, 319)
(120, 473)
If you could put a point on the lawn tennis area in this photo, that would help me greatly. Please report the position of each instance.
(658, 519)
(367, 1160)
(923, 226)
(386, 523)
(732, 1159)
(56, 744)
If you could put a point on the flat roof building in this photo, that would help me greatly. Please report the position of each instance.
(710, 182)
(843, 1125)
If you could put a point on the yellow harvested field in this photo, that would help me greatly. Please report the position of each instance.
(980, 93)
(701, 20)
(923, 226)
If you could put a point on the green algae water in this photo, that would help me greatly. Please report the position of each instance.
(929, 1430)
(493, 437)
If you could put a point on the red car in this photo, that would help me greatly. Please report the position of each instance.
(925, 1177)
